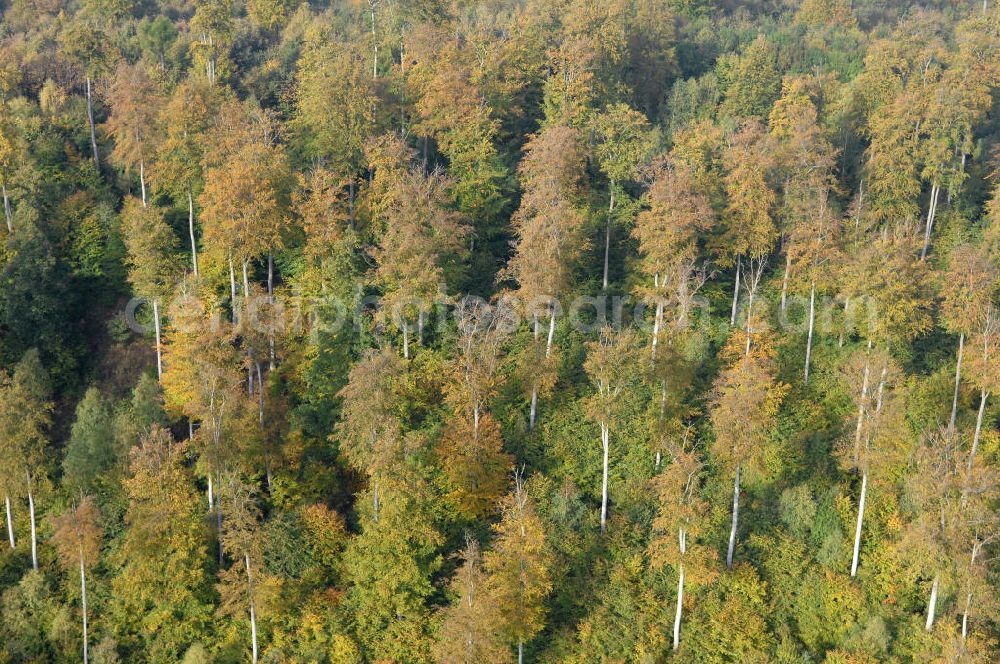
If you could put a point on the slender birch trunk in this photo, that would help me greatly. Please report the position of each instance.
(958, 381)
(857, 529)
(246, 282)
(376, 502)
(552, 332)
(253, 615)
(736, 514)
(965, 616)
(736, 292)
(10, 520)
(232, 287)
(90, 121)
(520, 652)
(809, 337)
(680, 606)
(979, 427)
(784, 281)
(6, 208)
(534, 388)
(657, 322)
(34, 532)
(83, 602)
(194, 245)
(142, 181)
(605, 444)
(932, 605)
(931, 211)
(406, 340)
(211, 499)
(607, 237)
(270, 299)
(159, 350)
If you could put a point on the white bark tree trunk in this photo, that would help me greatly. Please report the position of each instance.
(253, 615)
(83, 602)
(965, 616)
(607, 237)
(34, 531)
(6, 208)
(552, 332)
(958, 381)
(406, 340)
(983, 395)
(10, 521)
(932, 605)
(680, 606)
(142, 181)
(857, 529)
(736, 515)
(809, 337)
(605, 444)
(736, 293)
(194, 244)
(159, 349)
(931, 211)
(533, 412)
(784, 281)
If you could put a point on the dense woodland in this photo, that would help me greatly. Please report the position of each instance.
(483, 330)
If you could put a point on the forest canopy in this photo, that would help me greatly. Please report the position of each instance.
(466, 331)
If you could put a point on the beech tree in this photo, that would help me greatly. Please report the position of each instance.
(966, 291)
(77, 537)
(668, 242)
(133, 124)
(623, 139)
(750, 231)
(470, 629)
(25, 416)
(162, 590)
(517, 567)
(745, 401)
(151, 246)
(680, 522)
(609, 365)
(471, 447)
(549, 240)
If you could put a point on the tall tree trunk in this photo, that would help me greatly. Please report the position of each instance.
(552, 332)
(736, 293)
(406, 340)
(10, 520)
(83, 603)
(605, 444)
(533, 412)
(983, 395)
(657, 322)
(736, 516)
(232, 288)
(607, 237)
(784, 281)
(680, 605)
(6, 208)
(520, 652)
(857, 529)
(218, 514)
(372, 4)
(142, 181)
(90, 121)
(246, 282)
(194, 245)
(861, 408)
(958, 381)
(211, 503)
(932, 605)
(270, 300)
(809, 337)
(376, 502)
(253, 615)
(931, 211)
(159, 351)
(965, 616)
(34, 532)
